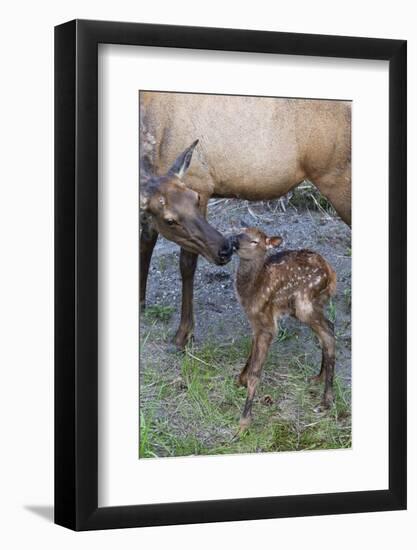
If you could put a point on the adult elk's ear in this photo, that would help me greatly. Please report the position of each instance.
(143, 199)
(145, 167)
(182, 162)
(273, 242)
(146, 190)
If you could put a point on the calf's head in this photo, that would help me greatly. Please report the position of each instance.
(176, 213)
(252, 244)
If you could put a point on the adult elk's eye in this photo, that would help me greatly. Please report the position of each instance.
(254, 242)
(170, 221)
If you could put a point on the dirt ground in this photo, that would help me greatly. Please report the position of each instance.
(221, 324)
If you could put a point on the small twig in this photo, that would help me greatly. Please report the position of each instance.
(252, 213)
(319, 207)
(216, 202)
(147, 336)
(256, 216)
(197, 358)
(312, 424)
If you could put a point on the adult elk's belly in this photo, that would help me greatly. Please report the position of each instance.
(265, 177)
(262, 163)
(256, 189)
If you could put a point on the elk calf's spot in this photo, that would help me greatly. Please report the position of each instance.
(268, 288)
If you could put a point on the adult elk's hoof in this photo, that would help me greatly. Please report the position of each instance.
(173, 349)
(182, 338)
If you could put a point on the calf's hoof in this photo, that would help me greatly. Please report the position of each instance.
(241, 381)
(324, 405)
(244, 423)
(316, 379)
(243, 426)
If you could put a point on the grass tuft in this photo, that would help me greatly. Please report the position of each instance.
(159, 313)
(306, 195)
(331, 308)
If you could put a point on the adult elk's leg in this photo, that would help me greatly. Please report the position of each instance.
(188, 264)
(148, 238)
(336, 187)
(260, 346)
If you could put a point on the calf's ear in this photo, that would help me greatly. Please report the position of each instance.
(182, 162)
(273, 242)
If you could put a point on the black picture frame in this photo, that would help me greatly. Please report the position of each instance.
(76, 272)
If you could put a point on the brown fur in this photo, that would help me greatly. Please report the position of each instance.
(253, 148)
(250, 148)
(296, 283)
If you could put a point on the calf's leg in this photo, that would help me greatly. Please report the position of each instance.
(260, 346)
(319, 377)
(242, 379)
(325, 333)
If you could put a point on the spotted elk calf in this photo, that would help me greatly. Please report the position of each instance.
(293, 282)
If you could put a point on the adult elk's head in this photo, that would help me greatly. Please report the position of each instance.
(176, 211)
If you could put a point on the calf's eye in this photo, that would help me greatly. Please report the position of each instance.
(170, 221)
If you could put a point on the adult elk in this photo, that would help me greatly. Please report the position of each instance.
(249, 148)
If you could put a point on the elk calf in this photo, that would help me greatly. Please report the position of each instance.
(293, 282)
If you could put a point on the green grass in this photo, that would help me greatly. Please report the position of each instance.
(331, 309)
(283, 334)
(144, 443)
(192, 406)
(348, 296)
(306, 195)
(162, 263)
(159, 313)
